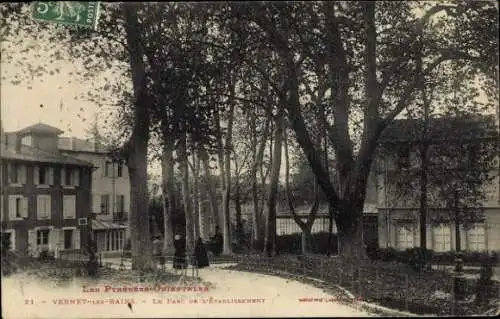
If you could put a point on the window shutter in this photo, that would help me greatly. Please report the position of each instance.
(65, 207)
(24, 211)
(48, 210)
(39, 207)
(32, 241)
(76, 239)
(51, 176)
(12, 207)
(60, 238)
(63, 176)
(36, 175)
(9, 172)
(76, 177)
(57, 242)
(69, 207)
(1, 207)
(22, 174)
(53, 240)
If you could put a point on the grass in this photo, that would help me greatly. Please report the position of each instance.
(390, 284)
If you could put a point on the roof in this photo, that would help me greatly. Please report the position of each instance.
(80, 145)
(101, 225)
(439, 128)
(40, 128)
(31, 154)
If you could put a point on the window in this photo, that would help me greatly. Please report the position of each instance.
(14, 173)
(43, 206)
(114, 240)
(27, 140)
(105, 204)
(108, 169)
(68, 238)
(18, 207)
(68, 180)
(70, 176)
(405, 236)
(119, 170)
(42, 237)
(476, 239)
(442, 238)
(42, 176)
(120, 203)
(69, 206)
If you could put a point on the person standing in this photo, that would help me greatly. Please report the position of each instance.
(201, 254)
(157, 251)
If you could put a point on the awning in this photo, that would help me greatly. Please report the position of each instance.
(102, 225)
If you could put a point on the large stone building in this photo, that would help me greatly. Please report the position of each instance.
(399, 225)
(110, 200)
(44, 194)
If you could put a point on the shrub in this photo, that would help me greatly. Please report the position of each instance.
(5, 243)
(45, 254)
(419, 258)
(485, 286)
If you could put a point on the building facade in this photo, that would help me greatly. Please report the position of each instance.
(399, 215)
(110, 198)
(44, 194)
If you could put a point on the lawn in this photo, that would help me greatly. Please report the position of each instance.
(390, 284)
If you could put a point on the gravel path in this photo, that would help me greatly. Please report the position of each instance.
(231, 294)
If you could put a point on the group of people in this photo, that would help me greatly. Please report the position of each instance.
(200, 259)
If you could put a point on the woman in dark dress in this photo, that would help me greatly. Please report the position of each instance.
(180, 253)
(200, 253)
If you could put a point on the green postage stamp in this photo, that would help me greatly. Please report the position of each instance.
(81, 13)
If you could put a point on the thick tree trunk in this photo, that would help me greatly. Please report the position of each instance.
(258, 148)
(239, 223)
(196, 197)
(306, 239)
(350, 231)
(211, 189)
(169, 196)
(331, 220)
(188, 211)
(137, 150)
(270, 240)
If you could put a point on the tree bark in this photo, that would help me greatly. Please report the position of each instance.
(211, 189)
(258, 148)
(196, 197)
(169, 195)
(188, 211)
(140, 236)
(221, 165)
(226, 230)
(270, 240)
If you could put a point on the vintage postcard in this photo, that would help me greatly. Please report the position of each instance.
(249, 159)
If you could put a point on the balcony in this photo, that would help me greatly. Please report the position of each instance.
(119, 216)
